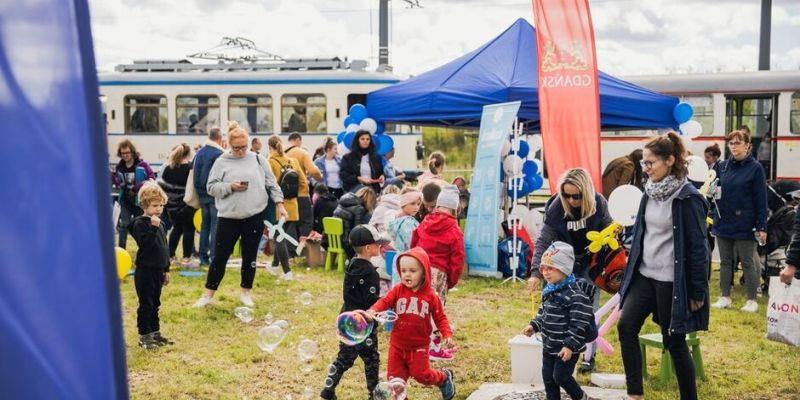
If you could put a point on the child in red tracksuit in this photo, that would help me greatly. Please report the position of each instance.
(416, 304)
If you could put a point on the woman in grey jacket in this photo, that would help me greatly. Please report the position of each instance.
(241, 183)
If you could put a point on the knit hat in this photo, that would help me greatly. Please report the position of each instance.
(448, 198)
(409, 197)
(559, 256)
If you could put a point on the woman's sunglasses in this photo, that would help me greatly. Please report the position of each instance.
(568, 196)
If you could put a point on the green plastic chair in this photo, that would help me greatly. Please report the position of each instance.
(666, 374)
(334, 228)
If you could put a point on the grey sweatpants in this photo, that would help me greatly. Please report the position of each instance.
(746, 251)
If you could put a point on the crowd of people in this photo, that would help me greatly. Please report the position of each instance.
(668, 262)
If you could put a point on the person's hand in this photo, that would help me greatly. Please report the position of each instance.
(237, 186)
(368, 314)
(401, 176)
(528, 331)
(565, 353)
(448, 343)
(762, 236)
(282, 211)
(166, 279)
(533, 284)
(695, 305)
(155, 221)
(380, 180)
(787, 274)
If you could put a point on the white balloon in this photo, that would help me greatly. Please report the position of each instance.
(698, 169)
(623, 204)
(519, 211)
(342, 149)
(352, 128)
(691, 129)
(506, 148)
(536, 143)
(369, 124)
(512, 165)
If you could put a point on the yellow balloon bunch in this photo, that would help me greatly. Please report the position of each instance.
(607, 236)
(124, 262)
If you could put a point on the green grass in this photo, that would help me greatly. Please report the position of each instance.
(215, 355)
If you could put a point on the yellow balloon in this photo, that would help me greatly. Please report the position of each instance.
(593, 236)
(124, 262)
(594, 247)
(198, 220)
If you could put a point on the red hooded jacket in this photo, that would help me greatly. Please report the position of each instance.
(439, 235)
(414, 309)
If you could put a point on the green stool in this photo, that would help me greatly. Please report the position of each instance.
(334, 229)
(666, 374)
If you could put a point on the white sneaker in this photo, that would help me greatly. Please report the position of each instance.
(273, 270)
(203, 301)
(723, 302)
(287, 276)
(750, 306)
(245, 298)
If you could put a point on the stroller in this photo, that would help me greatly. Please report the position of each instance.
(779, 234)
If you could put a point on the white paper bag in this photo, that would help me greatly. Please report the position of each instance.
(783, 312)
(115, 211)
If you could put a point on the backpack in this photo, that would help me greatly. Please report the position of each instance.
(289, 181)
(607, 268)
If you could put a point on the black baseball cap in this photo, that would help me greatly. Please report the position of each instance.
(363, 235)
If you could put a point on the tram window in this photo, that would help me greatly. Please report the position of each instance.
(703, 107)
(145, 114)
(756, 114)
(304, 113)
(253, 112)
(196, 114)
(794, 114)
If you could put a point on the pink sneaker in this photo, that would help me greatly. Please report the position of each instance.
(440, 355)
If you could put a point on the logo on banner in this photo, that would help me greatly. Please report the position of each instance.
(563, 60)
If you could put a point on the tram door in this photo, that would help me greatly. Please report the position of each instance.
(757, 113)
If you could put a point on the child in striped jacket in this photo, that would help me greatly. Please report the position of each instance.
(565, 321)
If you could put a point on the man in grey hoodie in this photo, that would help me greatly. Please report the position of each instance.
(241, 183)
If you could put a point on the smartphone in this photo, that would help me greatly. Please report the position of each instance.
(245, 183)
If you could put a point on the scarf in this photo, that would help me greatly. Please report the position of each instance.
(554, 287)
(663, 189)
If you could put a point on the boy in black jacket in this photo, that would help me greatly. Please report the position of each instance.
(152, 264)
(361, 290)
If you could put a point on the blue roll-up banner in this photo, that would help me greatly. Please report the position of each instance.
(483, 216)
(60, 310)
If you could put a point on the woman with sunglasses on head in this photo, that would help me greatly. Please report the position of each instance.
(667, 273)
(742, 217)
(241, 183)
(572, 212)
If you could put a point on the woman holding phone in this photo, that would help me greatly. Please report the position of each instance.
(241, 183)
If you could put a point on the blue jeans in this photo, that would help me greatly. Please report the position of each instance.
(208, 231)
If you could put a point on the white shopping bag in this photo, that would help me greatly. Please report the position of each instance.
(115, 211)
(783, 312)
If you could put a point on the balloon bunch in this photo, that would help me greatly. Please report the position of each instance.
(524, 174)
(683, 115)
(623, 205)
(613, 306)
(358, 120)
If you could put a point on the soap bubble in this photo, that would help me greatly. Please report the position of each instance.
(306, 368)
(307, 349)
(368, 342)
(281, 323)
(328, 382)
(398, 388)
(332, 370)
(269, 337)
(308, 394)
(268, 318)
(353, 328)
(245, 314)
(305, 298)
(382, 392)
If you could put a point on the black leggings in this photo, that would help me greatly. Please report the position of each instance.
(647, 296)
(182, 226)
(228, 232)
(283, 248)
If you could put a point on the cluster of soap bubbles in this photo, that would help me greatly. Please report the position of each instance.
(307, 349)
(395, 389)
(353, 327)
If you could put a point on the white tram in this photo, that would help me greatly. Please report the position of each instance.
(158, 104)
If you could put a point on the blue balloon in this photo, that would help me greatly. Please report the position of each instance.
(347, 121)
(682, 112)
(348, 139)
(357, 113)
(519, 185)
(381, 128)
(340, 136)
(530, 169)
(384, 144)
(536, 183)
(524, 149)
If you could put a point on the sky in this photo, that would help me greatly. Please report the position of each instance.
(633, 37)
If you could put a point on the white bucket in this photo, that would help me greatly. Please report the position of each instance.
(526, 360)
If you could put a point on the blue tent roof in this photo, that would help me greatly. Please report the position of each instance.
(502, 70)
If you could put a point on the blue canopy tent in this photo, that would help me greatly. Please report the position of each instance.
(503, 70)
(60, 310)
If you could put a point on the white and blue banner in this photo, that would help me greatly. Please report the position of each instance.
(483, 216)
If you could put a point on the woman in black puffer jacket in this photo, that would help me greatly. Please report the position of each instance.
(354, 209)
(173, 180)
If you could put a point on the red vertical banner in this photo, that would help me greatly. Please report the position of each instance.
(569, 101)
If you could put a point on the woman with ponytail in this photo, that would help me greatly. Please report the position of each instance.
(278, 161)
(173, 180)
(362, 166)
(435, 170)
(667, 273)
